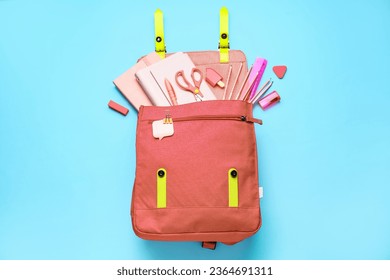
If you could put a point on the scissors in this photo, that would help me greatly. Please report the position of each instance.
(195, 87)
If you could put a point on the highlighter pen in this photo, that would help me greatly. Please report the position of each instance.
(171, 92)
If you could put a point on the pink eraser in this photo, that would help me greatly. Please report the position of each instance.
(258, 69)
(213, 78)
(280, 71)
(119, 108)
(269, 100)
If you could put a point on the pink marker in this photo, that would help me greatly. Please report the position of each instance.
(257, 70)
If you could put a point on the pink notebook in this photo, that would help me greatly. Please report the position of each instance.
(152, 80)
(128, 85)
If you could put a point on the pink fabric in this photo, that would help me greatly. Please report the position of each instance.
(197, 159)
(210, 59)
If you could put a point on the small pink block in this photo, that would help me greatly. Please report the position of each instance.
(119, 108)
(269, 100)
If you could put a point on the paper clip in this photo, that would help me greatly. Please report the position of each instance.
(168, 118)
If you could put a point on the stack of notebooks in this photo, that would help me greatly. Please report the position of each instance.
(144, 83)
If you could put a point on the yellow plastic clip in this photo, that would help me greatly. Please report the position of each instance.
(233, 187)
(224, 35)
(160, 47)
(168, 119)
(161, 188)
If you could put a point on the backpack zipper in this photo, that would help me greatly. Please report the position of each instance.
(222, 117)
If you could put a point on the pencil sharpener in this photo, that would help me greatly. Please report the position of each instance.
(269, 100)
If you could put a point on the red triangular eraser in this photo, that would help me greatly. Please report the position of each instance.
(280, 71)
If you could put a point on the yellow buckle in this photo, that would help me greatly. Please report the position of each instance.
(224, 45)
(160, 47)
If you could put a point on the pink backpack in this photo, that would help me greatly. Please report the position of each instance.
(201, 183)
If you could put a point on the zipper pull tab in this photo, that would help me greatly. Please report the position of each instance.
(251, 120)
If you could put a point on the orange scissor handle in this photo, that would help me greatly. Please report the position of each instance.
(195, 87)
(197, 80)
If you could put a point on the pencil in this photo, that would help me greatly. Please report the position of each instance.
(243, 84)
(262, 91)
(235, 81)
(247, 94)
(227, 82)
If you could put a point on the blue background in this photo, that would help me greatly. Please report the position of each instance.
(67, 161)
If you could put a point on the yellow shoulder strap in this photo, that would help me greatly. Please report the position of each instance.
(159, 33)
(223, 46)
(224, 35)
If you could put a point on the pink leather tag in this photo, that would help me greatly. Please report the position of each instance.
(279, 71)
